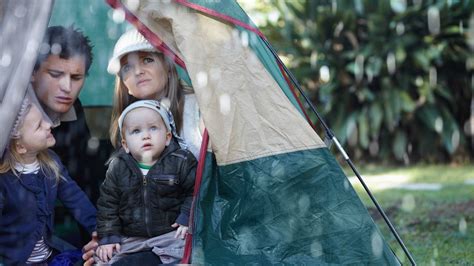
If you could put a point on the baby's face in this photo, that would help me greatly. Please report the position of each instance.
(145, 135)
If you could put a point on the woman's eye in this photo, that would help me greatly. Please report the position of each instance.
(125, 69)
(135, 131)
(148, 60)
(153, 128)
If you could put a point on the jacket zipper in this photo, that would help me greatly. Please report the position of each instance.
(145, 202)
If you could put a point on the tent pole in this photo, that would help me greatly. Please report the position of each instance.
(331, 136)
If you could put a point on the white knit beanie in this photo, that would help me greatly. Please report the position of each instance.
(130, 41)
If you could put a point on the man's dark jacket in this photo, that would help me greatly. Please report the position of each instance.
(131, 204)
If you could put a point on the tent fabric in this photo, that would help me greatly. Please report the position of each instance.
(22, 25)
(271, 191)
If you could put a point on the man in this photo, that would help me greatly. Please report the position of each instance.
(61, 68)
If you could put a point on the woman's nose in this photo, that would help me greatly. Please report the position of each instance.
(138, 69)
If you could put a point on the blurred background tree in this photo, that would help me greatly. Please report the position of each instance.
(393, 79)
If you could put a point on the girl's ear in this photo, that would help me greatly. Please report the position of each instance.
(20, 148)
(125, 147)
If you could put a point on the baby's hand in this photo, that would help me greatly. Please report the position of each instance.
(105, 252)
(181, 231)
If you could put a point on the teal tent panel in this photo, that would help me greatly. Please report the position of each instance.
(92, 17)
(292, 208)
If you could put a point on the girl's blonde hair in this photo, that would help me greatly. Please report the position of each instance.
(173, 91)
(11, 157)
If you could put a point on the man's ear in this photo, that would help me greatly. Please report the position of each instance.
(33, 76)
(125, 147)
(168, 138)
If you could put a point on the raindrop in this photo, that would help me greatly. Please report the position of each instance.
(244, 38)
(455, 137)
(408, 203)
(313, 59)
(118, 15)
(316, 249)
(273, 16)
(400, 28)
(31, 48)
(433, 20)
(398, 6)
(462, 226)
(419, 81)
(433, 77)
(132, 5)
(438, 125)
(347, 185)
(334, 6)
(461, 27)
(470, 32)
(391, 63)
(215, 74)
(359, 67)
(224, 104)
(92, 145)
(165, 102)
(56, 48)
(469, 126)
(6, 59)
(20, 11)
(44, 48)
(303, 204)
(377, 244)
(374, 148)
(470, 64)
(339, 28)
(201, 79)
(306, 43)
(112, 33)
(324, 74)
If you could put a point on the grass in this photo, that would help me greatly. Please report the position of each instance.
(435, 225)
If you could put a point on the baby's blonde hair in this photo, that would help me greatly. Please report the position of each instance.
(11, 157)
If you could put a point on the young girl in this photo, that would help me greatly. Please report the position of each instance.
(32, 178)
(143, 73)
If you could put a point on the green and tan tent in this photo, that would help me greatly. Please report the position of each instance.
(270, 192)
(268, 189)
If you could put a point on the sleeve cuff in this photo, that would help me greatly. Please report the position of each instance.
(182, 219)
(109, 240)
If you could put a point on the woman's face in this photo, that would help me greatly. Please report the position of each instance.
(144, 74)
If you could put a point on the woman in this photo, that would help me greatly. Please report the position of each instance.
(142, 73)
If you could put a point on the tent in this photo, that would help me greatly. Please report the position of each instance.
(268, 189)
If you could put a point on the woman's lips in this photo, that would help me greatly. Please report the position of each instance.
(141, 82)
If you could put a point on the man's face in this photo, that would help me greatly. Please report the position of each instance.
(57, 82)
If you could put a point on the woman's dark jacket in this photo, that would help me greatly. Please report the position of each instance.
(27, 211)
(131, 204)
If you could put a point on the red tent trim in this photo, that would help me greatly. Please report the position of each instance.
(221, 16)
(147, 33)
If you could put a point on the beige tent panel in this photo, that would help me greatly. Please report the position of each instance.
(245, 111)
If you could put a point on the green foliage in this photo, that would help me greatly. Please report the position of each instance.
(391, 78)
(435, 225)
